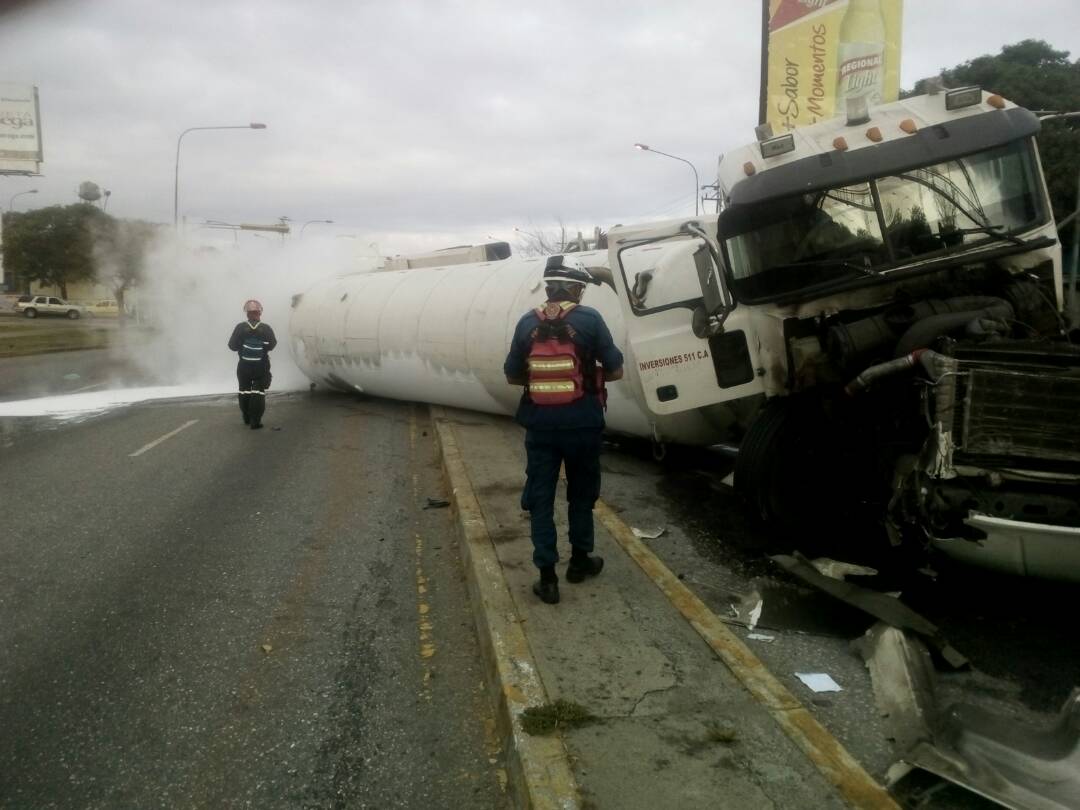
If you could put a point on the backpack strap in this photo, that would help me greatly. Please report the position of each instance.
(554, 310)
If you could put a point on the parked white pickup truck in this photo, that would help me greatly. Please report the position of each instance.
(33, 305)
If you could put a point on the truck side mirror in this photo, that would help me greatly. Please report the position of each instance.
(717, 300)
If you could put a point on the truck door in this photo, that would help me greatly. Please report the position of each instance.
(683, 356)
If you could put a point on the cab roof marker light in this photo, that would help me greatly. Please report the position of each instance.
(909, 126)
(778, 146)
(748, 169)
(996, 101)
(963, 97)
(874, 134)
(840, 143)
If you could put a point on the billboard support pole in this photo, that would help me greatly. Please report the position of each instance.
(763, 102)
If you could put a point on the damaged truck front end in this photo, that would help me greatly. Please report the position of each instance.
(906, 275)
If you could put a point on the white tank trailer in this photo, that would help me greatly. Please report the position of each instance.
(874, 319)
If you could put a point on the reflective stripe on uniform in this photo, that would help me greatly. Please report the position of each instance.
(550, 387)
(261, 393)
(561, 364)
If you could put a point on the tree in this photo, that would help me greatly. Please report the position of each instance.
(1033, 75)
(63, 244)
(120, 249)
(540, 242)
(52, 245)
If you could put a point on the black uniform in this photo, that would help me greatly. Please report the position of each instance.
(253, 342)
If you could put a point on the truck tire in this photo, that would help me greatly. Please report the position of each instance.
(786, 471)
(73, 314)
(30, 313)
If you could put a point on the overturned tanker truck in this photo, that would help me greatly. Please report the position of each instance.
(874, 319)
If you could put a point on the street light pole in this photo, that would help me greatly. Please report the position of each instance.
(697, 184)
(11, 202)
(310, 221)
(176, 180)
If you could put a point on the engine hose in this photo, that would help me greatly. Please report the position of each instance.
(922, 333)
(886, 369)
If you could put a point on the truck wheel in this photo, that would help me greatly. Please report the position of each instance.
(73, 314)
(785, 468)
(30, 313)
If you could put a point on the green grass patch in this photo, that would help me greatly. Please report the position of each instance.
(17, 340)
(550, 717)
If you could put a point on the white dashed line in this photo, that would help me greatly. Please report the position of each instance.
(159, 440)
(88, 387)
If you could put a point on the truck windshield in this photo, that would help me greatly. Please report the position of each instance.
(868, 228)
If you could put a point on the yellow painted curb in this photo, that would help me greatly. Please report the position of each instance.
(540, 774)
(830, 757)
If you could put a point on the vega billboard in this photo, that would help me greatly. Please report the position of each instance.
(20, 129)
(819, 53)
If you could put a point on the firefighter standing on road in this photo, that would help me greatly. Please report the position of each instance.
(562, 353)
(253, 341)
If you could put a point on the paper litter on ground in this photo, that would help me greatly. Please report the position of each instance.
(819, 681)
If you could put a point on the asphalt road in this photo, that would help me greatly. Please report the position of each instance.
(68, 372)
(194, 614)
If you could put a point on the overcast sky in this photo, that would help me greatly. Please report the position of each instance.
(421, 124)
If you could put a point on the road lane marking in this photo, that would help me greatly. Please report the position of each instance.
(160, 439)
(87, 387)
(423, 606)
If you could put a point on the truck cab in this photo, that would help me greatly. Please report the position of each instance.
(875, 318)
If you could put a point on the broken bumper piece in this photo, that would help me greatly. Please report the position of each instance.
(1017, 547)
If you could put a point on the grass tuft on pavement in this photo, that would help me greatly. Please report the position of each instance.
(540, 720)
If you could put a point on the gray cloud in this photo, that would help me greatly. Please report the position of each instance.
(421, 120)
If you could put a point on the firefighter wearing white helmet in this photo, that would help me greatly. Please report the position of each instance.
(562, 353)
(253, 341)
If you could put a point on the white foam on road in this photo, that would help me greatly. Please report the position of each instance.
(93, 403)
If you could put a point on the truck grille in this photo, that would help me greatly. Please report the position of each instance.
(1017, 410)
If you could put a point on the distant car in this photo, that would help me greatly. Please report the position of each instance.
(105, 308)
(33, 305)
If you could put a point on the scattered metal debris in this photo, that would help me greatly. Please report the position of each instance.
(835, 569)
(879, 605)
(1017, 766)
(760, 637)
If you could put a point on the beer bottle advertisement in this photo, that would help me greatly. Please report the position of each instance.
(820, 52)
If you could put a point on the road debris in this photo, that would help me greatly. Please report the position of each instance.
(760, 637)
(879, 605)
(835, 569)
(266, 648)
(436, 503)
(647, 534)
(1017, 766)
(819, 681)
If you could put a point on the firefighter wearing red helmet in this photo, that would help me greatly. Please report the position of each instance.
(562, 353)
(253, 341)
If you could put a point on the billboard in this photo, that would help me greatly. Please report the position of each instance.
(816, 54)
(20, 129)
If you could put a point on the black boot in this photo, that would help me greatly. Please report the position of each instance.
(547, 587)
(582, 565)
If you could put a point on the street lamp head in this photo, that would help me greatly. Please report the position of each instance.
(257, 126)
(642, 146)
(32, 191)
